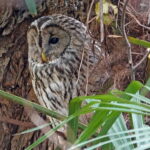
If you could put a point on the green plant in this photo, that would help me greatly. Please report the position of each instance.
(107, 116)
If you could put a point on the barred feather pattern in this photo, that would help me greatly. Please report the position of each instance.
(63, 76)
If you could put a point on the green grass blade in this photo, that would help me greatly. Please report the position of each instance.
(30, 104)
(72, 127)
(139, 97)
(136, 107)
(98, 118)
(34, 129)
(128, 134)
(133, 87)
(145, 146)
(144, 91)
(119, 126)
(121, 147)
(35, 106)
(138, 140)
(138, 120)
(139, 42)
(49, 133)
(94, 124)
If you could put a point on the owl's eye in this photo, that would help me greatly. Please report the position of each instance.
(53, 40)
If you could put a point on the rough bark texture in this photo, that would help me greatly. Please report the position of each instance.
(14, 73)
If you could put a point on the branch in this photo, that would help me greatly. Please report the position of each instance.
(88, 15)
(16, 122)
(101, 21)
(127, 41)
(142, 60)
(138, 22)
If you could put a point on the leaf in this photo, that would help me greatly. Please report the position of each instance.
(94, 124)
(123, 135)
(35, 106)
(34, 129)
(139, 42)
(106, 6)
(72, 127)
(31, 6)
(110, 107)
(119, 126)
(30, 104)
(49, 133)
(133, 87)
(108, 18)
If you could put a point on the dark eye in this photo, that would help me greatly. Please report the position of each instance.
(53, 40)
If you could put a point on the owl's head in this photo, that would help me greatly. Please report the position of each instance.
(53, 37)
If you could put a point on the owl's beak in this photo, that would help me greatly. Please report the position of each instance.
(44, 58)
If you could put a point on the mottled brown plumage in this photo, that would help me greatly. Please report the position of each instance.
(60, 52)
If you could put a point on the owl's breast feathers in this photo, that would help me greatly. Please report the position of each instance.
(55, 85)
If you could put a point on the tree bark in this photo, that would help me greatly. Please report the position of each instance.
(14, 73)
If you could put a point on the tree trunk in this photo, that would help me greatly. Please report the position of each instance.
(14, 73)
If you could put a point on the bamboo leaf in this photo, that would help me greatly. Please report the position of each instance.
(35, 106)
(30, 104)
(128, 134)
(139, 42)
(72, 128)
(34, 129)
(49, 133)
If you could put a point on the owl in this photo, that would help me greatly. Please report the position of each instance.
(59, 55)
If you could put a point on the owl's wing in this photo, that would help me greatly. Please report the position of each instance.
(95, 53)
(98, 68)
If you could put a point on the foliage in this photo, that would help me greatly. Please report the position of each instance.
(139, 42)
(107, 126)
(107, 16)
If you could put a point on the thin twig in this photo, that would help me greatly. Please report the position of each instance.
(116, 22)
(91, 19)
(88, 15)
(142, 60)
(101, 21)
(82, 57)
(127, 41)
(87, 31)
(16, 122)
(87, 75)
(138, 22)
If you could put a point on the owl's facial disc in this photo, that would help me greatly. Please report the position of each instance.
(55, 42)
